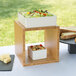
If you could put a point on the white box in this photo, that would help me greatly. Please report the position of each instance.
(38, 54)
(37, 22)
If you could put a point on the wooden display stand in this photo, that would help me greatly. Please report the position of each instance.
(67, 29)
(51, 37)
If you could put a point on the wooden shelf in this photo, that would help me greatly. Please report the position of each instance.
(68, 29)
(49, 59)
(51, 37)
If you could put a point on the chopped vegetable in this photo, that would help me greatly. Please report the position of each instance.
(36, 13)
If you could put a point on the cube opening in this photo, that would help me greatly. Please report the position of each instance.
(47, 39)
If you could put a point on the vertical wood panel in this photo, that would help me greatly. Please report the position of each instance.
(52, 42)
(20, 43)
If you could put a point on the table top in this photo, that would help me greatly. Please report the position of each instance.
(66, 66)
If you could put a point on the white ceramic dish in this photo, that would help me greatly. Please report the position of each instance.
(38, 54)
(37, 22)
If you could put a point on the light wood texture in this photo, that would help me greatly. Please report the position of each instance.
(51, 42)
(20, 43)
(68, 29)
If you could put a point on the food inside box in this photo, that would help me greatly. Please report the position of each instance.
(36, 13)
(37, 52)
(37, 47)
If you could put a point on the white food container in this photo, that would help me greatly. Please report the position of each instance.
(37, 22)
(38, 54)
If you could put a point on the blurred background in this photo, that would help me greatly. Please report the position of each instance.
(65, 10)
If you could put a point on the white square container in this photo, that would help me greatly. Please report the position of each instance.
(37, 22)
(38, 54)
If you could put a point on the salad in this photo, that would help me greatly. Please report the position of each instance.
(36, 13)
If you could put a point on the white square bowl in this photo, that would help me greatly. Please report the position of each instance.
(37, 22)
(38, 54)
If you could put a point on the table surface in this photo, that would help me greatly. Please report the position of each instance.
(66, 66)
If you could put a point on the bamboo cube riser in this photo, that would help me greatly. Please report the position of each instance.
(20, 44)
